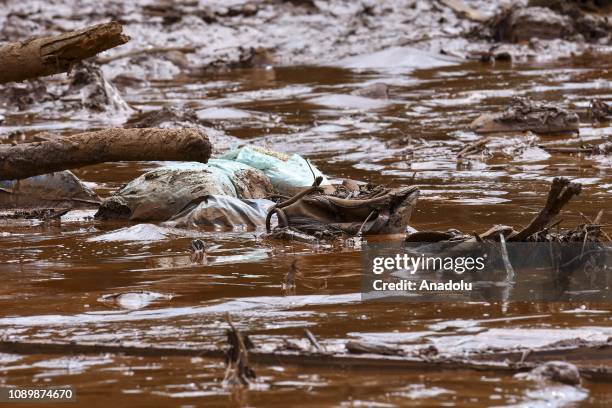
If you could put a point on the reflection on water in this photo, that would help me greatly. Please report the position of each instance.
(84, 280)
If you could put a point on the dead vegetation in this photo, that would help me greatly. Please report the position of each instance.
(590, 358)
(538, 230)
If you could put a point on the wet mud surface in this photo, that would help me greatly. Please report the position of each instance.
(81, 279)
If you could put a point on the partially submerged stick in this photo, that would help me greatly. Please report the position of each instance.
(110, 145)
(561, 192)
(55, 54)
(474, 147)
(237, 371)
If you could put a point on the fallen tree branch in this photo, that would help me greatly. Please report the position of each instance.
(110, 145)
(561, 191)
(591, 358)
(55, 54)
(474, 147)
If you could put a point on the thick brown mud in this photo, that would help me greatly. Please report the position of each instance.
(88, 280)
(60, 277)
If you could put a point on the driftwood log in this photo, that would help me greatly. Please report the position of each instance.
(55, 54)
(110, 145)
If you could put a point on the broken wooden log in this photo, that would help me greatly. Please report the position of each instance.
(110, 145)
(38, 57)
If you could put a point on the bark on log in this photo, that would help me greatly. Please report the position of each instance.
(55, 54)
(110, 145)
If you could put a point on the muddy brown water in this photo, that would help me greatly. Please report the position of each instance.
(56, 274)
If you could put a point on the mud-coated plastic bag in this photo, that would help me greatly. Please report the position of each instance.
(288, 174)
(248, 182)
(57, 189)
(159, 194)
(221, 211)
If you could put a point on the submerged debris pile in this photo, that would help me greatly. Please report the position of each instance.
(524, 114)
(538, 230)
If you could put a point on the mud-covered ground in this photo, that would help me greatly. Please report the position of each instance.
(86, 280)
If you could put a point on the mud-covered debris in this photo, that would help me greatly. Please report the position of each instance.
(222, 212)
(164, 117)
(94, 91)
(557, 371)
(59, 190)
(428, 351)
(255, 57)
(240, 355)
(377, 90)
(524, 114)
(24, 94)
(568, 6)
(518, 24)
(289, 174)
(604, 148)
(85, 88)
(179, 117)
(474, 148)
(198, 251)
(160, 194)
(247, 57)
(134, 300)
(42, 214)
(170, 191)
(561, 192)
(293, 235)
(462, 9)
(316, 212)
(548, 22)
(238, 372)
(360, 347)
(600, 110)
